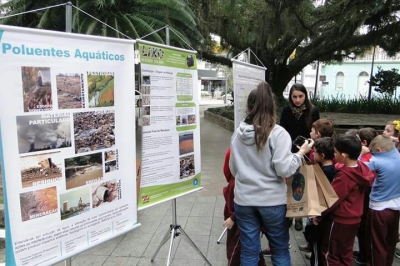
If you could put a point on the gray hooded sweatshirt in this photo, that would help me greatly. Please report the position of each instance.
(259, 175)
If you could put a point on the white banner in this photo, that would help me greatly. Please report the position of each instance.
(246, 77)
(68, 142)
(171, 158)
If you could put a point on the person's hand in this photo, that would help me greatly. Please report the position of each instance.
(364, 150)
(394, 139)
(228, 223)
(307, 146)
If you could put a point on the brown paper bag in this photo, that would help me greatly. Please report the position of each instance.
(326, 188)
(302, 194)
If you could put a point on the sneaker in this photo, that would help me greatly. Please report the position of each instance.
(304, 248)
(397, 254)
(356, 253)
(266, 252)
(360, 261)
(298, 225)
(307, 256)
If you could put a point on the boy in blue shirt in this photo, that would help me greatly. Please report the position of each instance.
(384, 204)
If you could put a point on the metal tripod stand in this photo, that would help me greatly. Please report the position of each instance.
(174, 231)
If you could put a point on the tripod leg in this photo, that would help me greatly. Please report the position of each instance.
(222, 235)
(165, 238)
(194, 246)
(171, 244)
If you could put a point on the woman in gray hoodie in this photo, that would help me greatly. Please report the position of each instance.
(260, 159)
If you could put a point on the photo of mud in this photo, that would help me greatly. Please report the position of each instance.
(74, 203)
(110, 166)
(94, 131)
(40, 133)
(40, 169)
(83, 170)
(36, 86)
(69, 91)
(110, 155)
(186, 144)
(187, 166)
(105, 193)
(101, 90)
(39, 203)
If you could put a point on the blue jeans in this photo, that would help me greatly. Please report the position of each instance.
(249, 220)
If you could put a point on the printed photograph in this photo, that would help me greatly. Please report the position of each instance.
(110, 166)
(69, 91)
(110, 155)
(298, 185)
(83, 170)
(184, 120)
(40, 169)
(40, 132)
(36, 86)
(101, 90)
(187, 166)
(178, 120)
(94, 131)
(74, 203)
(191, 119)
(146, 110)
(146, 100)
(186, 144)
(146, 80)
(146, 120)
(38, 203)
(105, 193)
(145, 89)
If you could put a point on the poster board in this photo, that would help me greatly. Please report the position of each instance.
(170, 148)
(67, 144)
(245, 79)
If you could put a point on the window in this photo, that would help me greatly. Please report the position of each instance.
(362, 84)
(339, 81)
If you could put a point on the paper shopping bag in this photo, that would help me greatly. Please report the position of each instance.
(302, 194)
(326, 188)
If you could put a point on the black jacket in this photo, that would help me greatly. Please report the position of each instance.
(297, 127)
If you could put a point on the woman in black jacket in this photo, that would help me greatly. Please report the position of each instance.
(297, 118)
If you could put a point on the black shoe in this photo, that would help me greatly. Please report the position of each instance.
(304, 248)
(298, 225)
(360, 261)
(266, 252)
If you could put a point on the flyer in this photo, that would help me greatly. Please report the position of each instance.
(246, 77)
(170, 144)
(66, 142)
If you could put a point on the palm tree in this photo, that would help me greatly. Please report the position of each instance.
(134, 18)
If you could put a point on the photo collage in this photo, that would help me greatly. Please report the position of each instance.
(146, 92)
(62, 120)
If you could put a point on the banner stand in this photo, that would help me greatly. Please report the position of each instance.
(174, 231)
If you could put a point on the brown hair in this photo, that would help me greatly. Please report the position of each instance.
(261, 113)
(325, 127)
(325, 146)
(382, 142)
(367, 134)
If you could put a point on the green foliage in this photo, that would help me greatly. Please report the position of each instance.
(379, 105)
(273, 29)
(134, 18)
(386, 81)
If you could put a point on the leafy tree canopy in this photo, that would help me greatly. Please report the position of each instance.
(386, 81)
(273, 29)
(134, 18)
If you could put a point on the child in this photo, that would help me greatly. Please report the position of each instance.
(233, 247)
(340, 222)
(366, 135)
(392, 129)
(384, 204)
(323, 155)
(320, 129)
